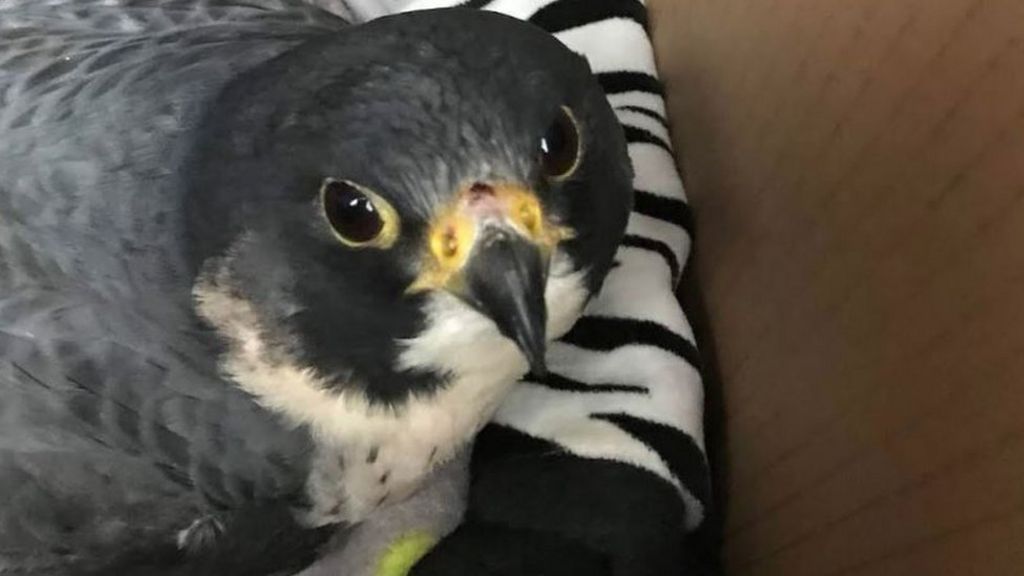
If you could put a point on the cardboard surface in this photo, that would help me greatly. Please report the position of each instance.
(856, 169)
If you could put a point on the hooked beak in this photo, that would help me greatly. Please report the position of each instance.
(505, 280)
(491, 248)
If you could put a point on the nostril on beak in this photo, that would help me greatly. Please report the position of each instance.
(479, 191)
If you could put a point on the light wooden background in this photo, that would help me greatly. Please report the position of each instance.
(856, 169)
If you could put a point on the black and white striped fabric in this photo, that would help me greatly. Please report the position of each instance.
(600, 466)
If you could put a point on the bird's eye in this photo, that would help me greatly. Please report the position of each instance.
(560, 146)
(358, 216)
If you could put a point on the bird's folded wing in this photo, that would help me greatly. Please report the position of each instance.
(155, 16)
(68, 54)
(99, 428)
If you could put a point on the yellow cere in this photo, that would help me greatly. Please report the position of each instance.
(452, 234)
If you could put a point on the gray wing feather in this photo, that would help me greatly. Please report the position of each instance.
(94, 101)
(101, 442)
(114, 423)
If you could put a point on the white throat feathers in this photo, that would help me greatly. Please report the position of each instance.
(370, 454)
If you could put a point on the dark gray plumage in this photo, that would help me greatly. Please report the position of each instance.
(154, 153)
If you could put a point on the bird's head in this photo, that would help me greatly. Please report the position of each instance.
(394, 205)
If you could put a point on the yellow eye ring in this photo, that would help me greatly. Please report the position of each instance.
(359, 217)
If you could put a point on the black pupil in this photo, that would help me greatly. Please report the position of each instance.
(351, 213)
(559, 146)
